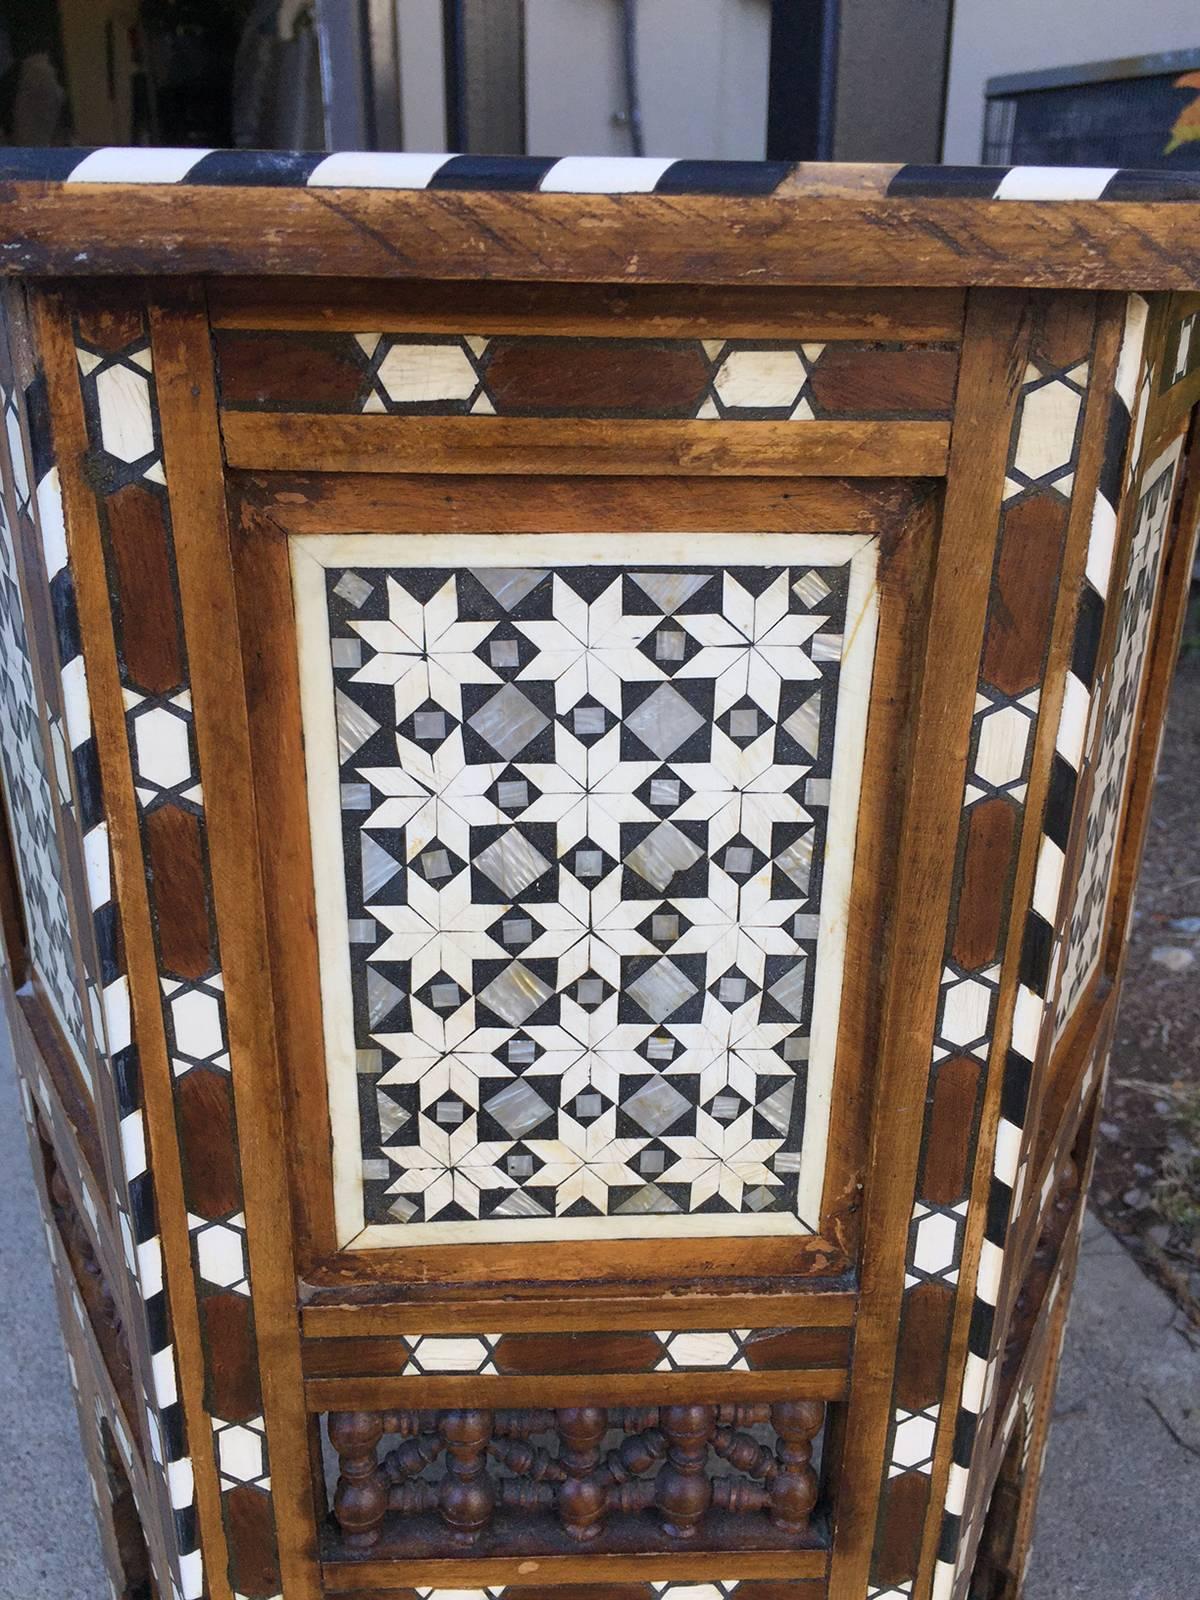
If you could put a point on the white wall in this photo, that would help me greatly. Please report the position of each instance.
(890, 70)
(992, 37)
(702, 66)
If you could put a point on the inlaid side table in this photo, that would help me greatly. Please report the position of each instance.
(575, 744)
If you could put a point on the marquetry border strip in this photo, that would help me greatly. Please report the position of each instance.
(596, 1352)
(109, 1012)
(137, 1207)
(469, 371)
(1043, 458)
(115, 368)
(1135, 463)
(351, 169)
(1076, 714)
(1043, 941)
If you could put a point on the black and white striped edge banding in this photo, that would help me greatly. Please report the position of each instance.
(1044, 183)
(139, 1220)
(381, 169)
(1041, 945)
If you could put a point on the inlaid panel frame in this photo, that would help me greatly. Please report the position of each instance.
(286, 369)
(1011, 335)
(265, 510)
(1060, 1081)
(1023, 1187)
(76, 1066)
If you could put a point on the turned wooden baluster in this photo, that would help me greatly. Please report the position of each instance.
(635, 1455)
(409, 1459)
(522, 1494)
(527, 1460)
(683, 1491)
(633, 1419)
(582, 1498)
(520, 1424)
(744, 1452)
(361, 1501)
(467, 1496)
(413, 1496)
(743, 1416)
(794, 1486)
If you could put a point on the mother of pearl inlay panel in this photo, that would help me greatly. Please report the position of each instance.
(583, 828)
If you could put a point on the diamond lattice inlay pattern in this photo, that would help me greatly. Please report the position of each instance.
(1116, 708)
(582, 830)
(27, 788)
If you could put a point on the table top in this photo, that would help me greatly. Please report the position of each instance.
(593, 218)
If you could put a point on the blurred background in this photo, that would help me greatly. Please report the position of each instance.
(1099, 82)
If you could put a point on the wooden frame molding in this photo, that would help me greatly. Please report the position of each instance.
(576, 740)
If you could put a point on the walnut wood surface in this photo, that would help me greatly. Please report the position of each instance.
(968, 592)
(945, 243)
(374, 502)
(677, 310)
(56, 346)
(330, 1315)
(997, 331)
(304, 442)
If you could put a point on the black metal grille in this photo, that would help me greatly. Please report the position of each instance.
(1114, 121)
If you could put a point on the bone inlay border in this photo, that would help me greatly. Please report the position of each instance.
(1037, 493)
(484, 375)
(593, 915)
(102, 977)
(1044, 944)
(117, 381)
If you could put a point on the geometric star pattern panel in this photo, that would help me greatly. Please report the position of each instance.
(585, 891)
(1115, 733)
(28, 793)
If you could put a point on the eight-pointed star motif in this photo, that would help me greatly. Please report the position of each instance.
(584, 1163)
(434, 796)
(753, 645)
(733, 796)
(589, 649)
(448, 1167)
(424, 650)
(589, 792)
(731, 1052)
(437, 932)
(720, 1160)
